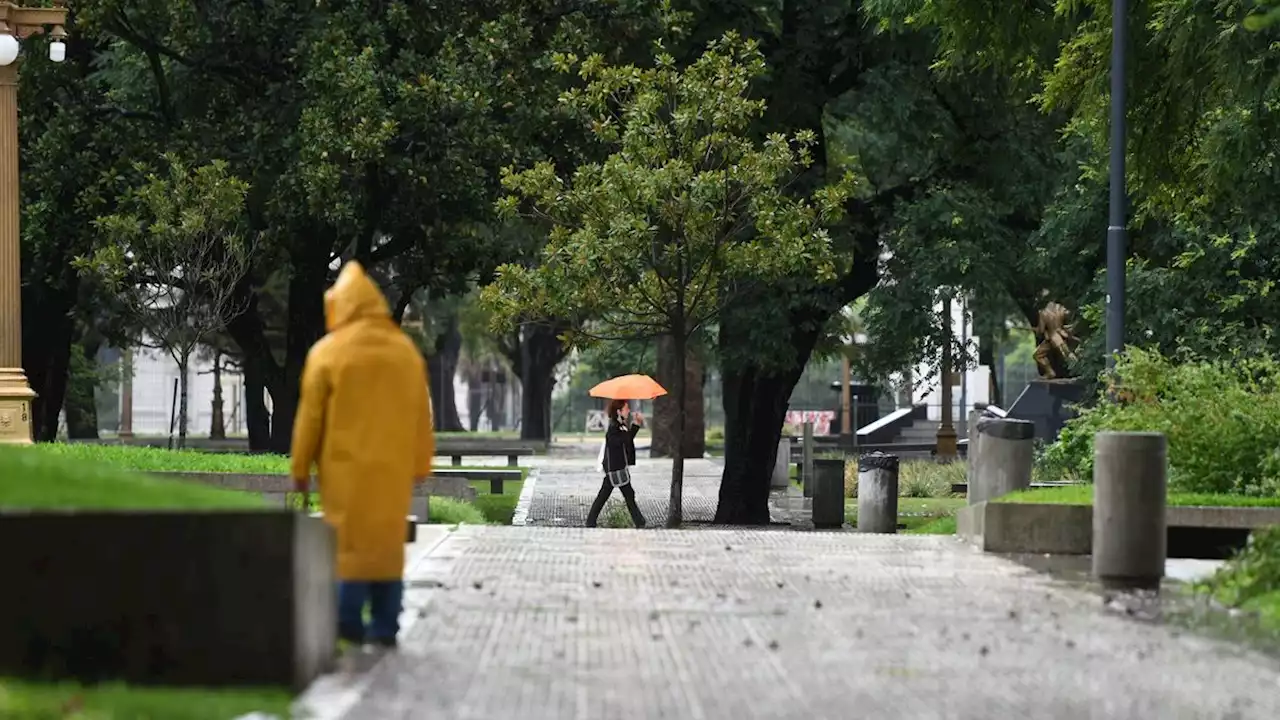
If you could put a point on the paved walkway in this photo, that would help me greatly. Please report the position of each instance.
(563, 623)
(566, 486)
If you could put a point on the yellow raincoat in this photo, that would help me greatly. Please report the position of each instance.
(364, 418)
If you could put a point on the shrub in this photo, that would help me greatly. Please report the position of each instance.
(851, 479)
(916, 478)
(1221, 418)
(928, 479)
(616, 516)
(1252, 578)
(448, 511)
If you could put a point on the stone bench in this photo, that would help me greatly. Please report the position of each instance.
(497, 477)
(457, 453)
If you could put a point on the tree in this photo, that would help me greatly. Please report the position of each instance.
(1202, 168)
(683, 216)
(177, 251)
(76, 150)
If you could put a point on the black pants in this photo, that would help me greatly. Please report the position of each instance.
(628, 494)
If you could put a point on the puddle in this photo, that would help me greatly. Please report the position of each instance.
(1175, 605)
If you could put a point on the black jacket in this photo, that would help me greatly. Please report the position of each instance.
(619, 446)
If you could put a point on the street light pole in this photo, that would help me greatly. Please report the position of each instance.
(1117, 239)
(15, 393)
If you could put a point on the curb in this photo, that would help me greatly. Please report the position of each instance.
(523, 505)
(332, 695)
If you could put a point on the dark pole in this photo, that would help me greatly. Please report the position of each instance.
(1116, 226)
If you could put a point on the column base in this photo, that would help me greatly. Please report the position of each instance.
(947, 447)
(15, 407)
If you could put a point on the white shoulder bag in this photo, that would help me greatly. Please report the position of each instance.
(617, 478)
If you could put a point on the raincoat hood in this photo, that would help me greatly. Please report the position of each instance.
(353, 297)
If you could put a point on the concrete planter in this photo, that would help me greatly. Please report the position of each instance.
(1068, 529)
(274, 488)
(168, 598)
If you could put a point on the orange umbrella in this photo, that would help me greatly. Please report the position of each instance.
(629, 387)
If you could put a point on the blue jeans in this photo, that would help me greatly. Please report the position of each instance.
(384, 599)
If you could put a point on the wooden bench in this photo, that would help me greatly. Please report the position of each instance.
(456, 453)
(496, 476)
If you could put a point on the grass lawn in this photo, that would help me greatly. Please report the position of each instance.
(32, 478)
(1083, 495)
(65, 701)
(495, 508)
(922, 516)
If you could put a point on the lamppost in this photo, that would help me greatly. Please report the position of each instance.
(946, 446)
(1117, 237)
(16, 22)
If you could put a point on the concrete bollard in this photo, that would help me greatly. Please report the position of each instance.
(1130, 480)
(782, 466)
(806, 465)
(878, 493)
(1003, 462)
(828, 492)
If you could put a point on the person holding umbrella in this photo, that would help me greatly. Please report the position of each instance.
(618, 454)
(617, 458)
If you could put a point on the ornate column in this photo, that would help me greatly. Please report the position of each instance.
(16, 22)
(15, 393)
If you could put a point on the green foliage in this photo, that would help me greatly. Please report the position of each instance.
(916, 478)
(499, 509)
(655, 239)
(925, 479)
(176, 251)
(1221, 418)
(1251, 580)
(1202, 110)
(851, 479)
(616, 516)
(945, 525)
(448, 511)
(1265, 16)
(33, 478)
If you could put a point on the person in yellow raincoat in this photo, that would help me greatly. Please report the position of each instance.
(364, 420)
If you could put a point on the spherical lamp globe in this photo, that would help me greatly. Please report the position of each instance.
(8, 49)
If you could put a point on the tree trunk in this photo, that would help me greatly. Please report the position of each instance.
(475, 397)
(755, 407)
(217, 424)
(675, 507)
(534, 357)
(663, 427)
(257, 420)
(184, 363)
(257, 364)
(306, 326)
(443, 366)
(47, 334)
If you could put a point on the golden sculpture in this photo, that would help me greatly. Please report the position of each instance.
(1057, 343)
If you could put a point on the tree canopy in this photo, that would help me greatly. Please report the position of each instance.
(686, 214)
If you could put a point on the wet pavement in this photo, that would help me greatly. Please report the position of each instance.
(541, 622)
